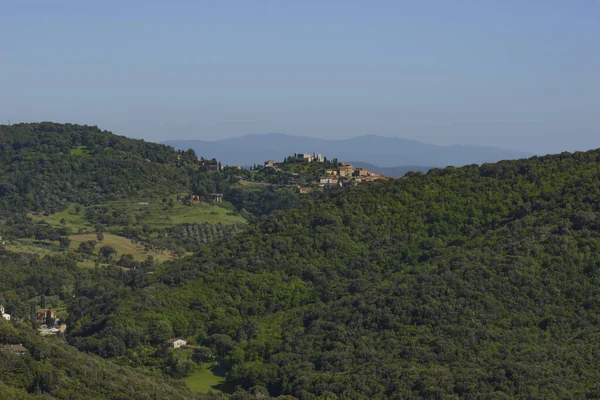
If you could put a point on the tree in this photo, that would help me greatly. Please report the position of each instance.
(64, 241)
(160, 331)
(42, 301)
(108, 252)
(201, 355)
(126, 260)
(100, 236)
(148, 262)
(87, 247)
(49, 319)
(33, 315)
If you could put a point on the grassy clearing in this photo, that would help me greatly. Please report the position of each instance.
(251, 185)
(122, 245)
(72, 219)
(80, 151)
(159, 215)
(155, 213)
(196, 213)
(209, 377)
(32, 247)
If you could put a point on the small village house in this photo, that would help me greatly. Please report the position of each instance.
(16, 348)
(4, 315)
(360, 172)
(216, 197)
(42, 313)
(329, 181)
(346, 170)
(176, 343)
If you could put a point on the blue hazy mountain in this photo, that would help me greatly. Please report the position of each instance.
(372, 149)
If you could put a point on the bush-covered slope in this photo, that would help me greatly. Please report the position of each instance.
(45, 166)
(57, 180)
(476, 282)
(49, 369)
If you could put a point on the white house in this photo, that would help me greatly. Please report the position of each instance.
(176, 343)
(4, 315)
(329, 181)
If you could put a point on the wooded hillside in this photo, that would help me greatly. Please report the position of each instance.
(475, 282)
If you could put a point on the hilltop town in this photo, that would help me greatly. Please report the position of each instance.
(315, 172)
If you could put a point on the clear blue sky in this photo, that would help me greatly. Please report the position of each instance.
(523, 74)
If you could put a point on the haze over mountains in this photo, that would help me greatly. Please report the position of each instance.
(372, 149)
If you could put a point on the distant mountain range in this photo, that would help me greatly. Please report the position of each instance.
(379, 151)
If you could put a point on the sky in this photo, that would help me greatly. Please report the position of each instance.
(520, 74)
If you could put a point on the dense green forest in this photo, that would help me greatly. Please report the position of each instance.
(475, 282)
(472, 282)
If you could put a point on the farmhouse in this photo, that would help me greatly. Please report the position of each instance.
(16, 348)
(176, 343)
(42, 313)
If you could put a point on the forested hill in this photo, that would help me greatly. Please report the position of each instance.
(473, 282)
(32, 367)
(45, 166)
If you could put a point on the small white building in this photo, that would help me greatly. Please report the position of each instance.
(176, 343)
(329, 181)
(4, 315)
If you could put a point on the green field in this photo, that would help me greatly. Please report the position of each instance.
(158, 215)
(209, 377)
(248, 184)
(122, 245)
(168, 217)
(155, 214)
(31, 246)
(72, 219)
(80, 151)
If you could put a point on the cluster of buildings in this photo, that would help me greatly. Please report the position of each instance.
(342, 175)
(347, 175)
(310, 158)
(43, 314)
(55, 328)
(317, 157)
(212, 165)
